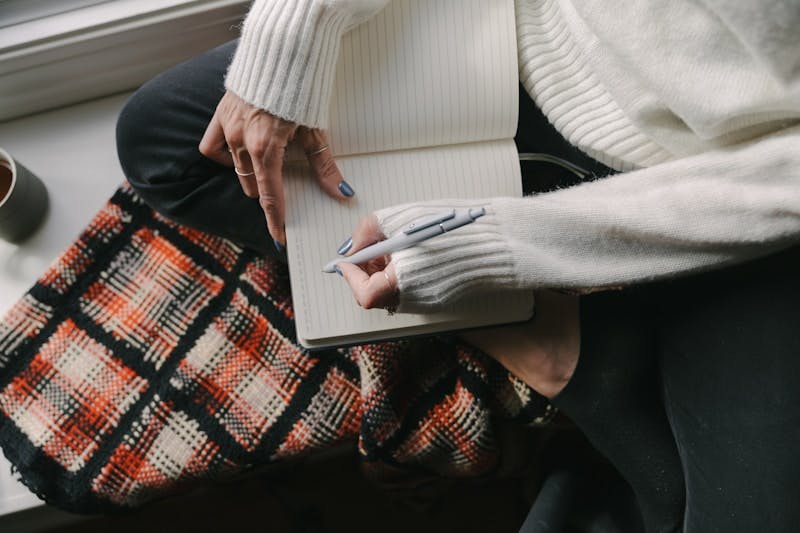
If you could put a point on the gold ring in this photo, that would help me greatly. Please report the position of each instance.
(317, 151)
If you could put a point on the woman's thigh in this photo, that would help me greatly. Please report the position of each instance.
(158, 133)
(730, 361)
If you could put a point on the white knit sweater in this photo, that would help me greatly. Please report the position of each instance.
(698, 102)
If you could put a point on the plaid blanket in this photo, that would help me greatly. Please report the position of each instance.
(151, 355)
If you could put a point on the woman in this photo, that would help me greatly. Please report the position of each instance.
(686, 379)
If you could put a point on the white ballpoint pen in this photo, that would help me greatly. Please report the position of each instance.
(413, 234)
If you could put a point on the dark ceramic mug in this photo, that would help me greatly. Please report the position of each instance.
(23, 200)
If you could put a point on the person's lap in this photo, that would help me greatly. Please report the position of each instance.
(728, 359)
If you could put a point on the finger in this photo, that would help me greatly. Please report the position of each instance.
(367, 232)
(378, 290)
(376, 265)
(316, 144)
(249, 185)
(213, 144)
(243, 167)
(240, 160)
(268, 166)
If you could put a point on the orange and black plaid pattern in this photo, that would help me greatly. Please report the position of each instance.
(151, 355)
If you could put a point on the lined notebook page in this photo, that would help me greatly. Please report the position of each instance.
(316, 225)
(427, 73)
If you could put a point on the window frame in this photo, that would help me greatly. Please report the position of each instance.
(13, 12)
(105, 48)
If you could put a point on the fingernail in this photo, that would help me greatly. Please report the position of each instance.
(346, 189)
(338, 270)
(345, 247)
(278, 246)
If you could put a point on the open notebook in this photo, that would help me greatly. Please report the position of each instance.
(424, 107)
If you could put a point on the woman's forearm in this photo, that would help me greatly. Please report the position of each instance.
(684, 216)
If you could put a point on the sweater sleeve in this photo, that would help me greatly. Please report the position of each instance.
(287, 55)
(684, 216)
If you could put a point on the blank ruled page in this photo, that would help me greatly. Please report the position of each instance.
(316, 225)
(427, 73)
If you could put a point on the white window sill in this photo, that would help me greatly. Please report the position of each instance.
(105, 48)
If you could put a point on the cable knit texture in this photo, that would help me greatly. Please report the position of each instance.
(287, 55)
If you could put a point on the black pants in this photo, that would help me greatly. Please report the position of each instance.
(728, 347)
(722, 349)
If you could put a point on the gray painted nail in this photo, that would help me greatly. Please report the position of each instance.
(278, 246)
(346, 189)
(345, 247)
(338, 270)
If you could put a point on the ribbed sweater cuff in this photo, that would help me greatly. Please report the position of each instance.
(438, 272)
(286, 59)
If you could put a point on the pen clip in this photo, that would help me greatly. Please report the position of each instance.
(419, 226)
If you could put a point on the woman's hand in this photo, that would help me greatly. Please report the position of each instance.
(374, 284)
(542, 352)
(254, 142)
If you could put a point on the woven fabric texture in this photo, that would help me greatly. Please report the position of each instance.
(151, 356)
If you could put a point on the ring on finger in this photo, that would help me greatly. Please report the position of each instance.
(243, 174)
(318, 151)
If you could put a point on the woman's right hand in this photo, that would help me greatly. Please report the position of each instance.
(542, 352)
(373, 284)
(253, 142)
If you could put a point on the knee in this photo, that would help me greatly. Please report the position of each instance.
(160, 127)
(135, 135)
(129, 135)
(156, 145)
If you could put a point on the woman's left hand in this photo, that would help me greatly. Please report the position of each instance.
(253, 142)
(374, 284)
